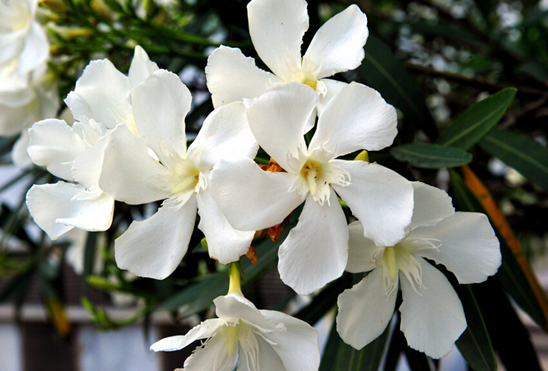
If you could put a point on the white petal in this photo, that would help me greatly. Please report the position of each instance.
(278, 119)
(338, 44)
(212, 357)
(204, 330)
(332, 87)
(141, 67)
(469, 247)
(160, 105)
(56, 209)
(13, 120)
(225, 134)
(87, 166)
(236, 306)
(432, 317)
(356, 118)
(298, 346)
(231, 77)
(225, 244)
(55, 145)
(277, 29)
(36, 49)
(106, 91)
(250, 198)
(129, 174)
(262, 358)
(361, 250)
(380, 198)
(19, 154)
(365, 310)
(431, 205)
(154, 247)
(316, 250)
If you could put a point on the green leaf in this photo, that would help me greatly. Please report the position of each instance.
(510, 274)
(522, 153)
(477, 121)
(474, 343)
(339, 356)
(431, 156)
(382, 71)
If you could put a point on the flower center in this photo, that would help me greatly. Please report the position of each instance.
(312, 172)
(396, 259)
(184, 177)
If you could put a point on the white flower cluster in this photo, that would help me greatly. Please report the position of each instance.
(26, 95)
(128, 144)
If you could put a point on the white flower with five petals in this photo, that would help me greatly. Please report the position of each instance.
(316, 250)
(100, 101)
(257, 339)
(156, 165)
(277, 28)
(432, 317)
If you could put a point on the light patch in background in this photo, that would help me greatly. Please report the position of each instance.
(10, 347)
(121, 350)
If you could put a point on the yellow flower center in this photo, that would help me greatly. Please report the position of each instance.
(311, 172)
(185, 177)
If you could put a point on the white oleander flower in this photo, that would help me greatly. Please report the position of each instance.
(316, 250)
(100, 101)
(432, 317)
(257, 339)
(154, 247)
(277, 28)
(23, 43)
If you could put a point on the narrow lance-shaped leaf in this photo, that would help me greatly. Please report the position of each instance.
(431, 156)
(382, 71)
(477, 121)
(522, 153)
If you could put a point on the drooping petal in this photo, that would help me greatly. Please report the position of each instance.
(19, 155)
(298, 346)
(213, 356)
(129, 174)
(356, 118)
(316, 251)
(277, 29)
(236, 306)
(361, 250)
(278, 119)
(204, 330)
(380, 198)
(469, 247)
(231, 77)
(365, 310)
(56, 208)
(36, 49)
(154, 247)
(225, 135)
(110, 106)
(432, 317)
(250, 198)
(338, 44)
(141, 67)
(160, 105)
(225, 244)
(55, 145)
(431, 205)
(262, 358)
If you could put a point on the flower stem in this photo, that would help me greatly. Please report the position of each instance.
(234, 286)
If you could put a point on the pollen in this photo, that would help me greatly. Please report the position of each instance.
(310, 82)
(311, 172)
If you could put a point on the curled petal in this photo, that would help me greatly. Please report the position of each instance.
(431, 205)
(141, 67)
(362, 252)
(204, 330)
